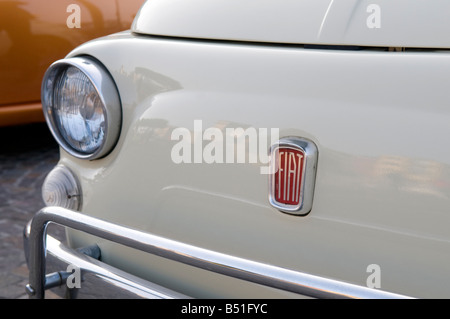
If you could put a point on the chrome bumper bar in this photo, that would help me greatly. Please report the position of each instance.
(264, 274)
(99, 280)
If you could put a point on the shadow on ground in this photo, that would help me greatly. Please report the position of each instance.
(27, 154)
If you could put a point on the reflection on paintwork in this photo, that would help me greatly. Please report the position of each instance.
(411, 175)
(143, 83)
(390, 173)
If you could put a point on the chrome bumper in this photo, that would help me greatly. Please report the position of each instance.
(41, 247)
(99, 280)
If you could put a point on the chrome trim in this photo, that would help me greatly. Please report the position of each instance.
(309, 176)
(107, 91)
(99, 280)
(260, 273)
(109, 282)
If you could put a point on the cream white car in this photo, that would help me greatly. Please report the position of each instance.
(253, 149)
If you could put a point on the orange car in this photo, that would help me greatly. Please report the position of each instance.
(35, 33)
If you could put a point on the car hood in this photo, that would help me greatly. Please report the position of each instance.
(384, 23)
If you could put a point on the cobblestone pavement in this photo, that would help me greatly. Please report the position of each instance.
(27, 154)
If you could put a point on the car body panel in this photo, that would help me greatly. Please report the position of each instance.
(21, 113)
(402, 23)
(379, 120)
(35, 33)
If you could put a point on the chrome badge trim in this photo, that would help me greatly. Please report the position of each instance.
(305, 175)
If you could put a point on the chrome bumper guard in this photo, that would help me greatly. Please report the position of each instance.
(39, 245)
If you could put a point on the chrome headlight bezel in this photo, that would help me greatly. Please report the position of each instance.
(107, 92)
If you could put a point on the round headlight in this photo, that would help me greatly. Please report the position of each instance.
(82, 107)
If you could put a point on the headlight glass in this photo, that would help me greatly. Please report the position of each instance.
(82, 107)
(80, 114)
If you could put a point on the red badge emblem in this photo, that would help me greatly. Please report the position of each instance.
(292, 178)
(288, 177)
